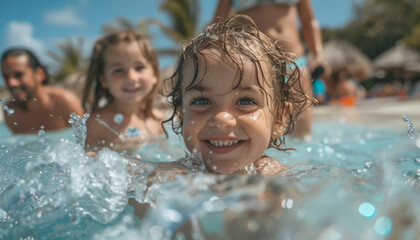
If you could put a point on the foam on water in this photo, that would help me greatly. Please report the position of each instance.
(347, 182)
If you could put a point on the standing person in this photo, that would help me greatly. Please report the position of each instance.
(34, 106)
(278, 20)
(124, 73)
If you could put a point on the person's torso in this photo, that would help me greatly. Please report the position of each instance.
(278, 21)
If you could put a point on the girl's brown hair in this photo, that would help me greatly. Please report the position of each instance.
(97, 67)
(240, 40)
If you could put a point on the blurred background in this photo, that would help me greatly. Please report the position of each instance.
(373, 43)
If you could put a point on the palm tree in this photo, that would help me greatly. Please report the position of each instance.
(184, 15)
(70, 58)
(122, 23)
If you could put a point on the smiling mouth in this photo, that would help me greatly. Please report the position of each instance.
(226, 143)
(132, 90)
(223, 146)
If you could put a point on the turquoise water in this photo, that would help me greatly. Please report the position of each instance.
(347, 182)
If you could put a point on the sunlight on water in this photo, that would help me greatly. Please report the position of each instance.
(347, 182)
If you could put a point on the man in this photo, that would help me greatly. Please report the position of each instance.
(34, 106)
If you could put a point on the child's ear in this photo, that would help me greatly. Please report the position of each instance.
(102, 81)
(279, 126)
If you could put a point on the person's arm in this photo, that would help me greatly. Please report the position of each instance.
(312, 35)
(223, 9)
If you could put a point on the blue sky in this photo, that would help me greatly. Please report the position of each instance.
(41, 24)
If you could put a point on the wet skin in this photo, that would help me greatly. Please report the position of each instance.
(35, 106)
(129, 78)
(231, 128)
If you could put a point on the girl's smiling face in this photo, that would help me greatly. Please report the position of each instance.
(128, 76)
(231, 127)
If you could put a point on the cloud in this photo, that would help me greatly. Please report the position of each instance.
(64, 17)
(20, 34)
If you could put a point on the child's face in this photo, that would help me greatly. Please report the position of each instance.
(128, 76)
(229, 127)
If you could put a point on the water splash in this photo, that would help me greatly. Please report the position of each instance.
(411, 131)
(193, 162)
(8, 110)
(410, 128)
(78, 124)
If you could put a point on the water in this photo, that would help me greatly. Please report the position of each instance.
(347, 182)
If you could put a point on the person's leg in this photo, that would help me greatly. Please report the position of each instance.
(303, 124)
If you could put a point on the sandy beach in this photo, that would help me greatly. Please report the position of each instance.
(377, 112)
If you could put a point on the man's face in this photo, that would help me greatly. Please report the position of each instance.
(21, 80)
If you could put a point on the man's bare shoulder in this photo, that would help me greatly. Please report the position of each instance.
(65, 98)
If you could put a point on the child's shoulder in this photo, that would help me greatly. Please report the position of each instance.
(154, 123)
(271, 167)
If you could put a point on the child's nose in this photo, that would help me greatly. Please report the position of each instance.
(222, 119)
(132, 75)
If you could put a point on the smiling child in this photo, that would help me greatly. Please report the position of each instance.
(234, 95)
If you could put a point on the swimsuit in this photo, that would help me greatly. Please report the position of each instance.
(241, 5)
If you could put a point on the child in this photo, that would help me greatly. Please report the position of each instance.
(124, 74)
(234, 99)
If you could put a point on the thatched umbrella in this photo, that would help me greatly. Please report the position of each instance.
(398, 57)
(344, 57)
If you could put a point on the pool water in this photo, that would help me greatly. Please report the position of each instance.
(347, 182)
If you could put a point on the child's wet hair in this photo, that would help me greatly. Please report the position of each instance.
(240, 40)
(97, 68)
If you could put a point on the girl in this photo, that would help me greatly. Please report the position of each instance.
(234, 99)
(123, 76)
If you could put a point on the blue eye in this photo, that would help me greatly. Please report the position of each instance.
(246, 101)
(200, 101)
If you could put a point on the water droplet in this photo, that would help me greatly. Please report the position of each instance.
(214, 168)
(210, 152)
(287, 203)
(118, 118)
(192, 122)
(418, 142)
(367, 209)
(383, 226)
(368, 164)
(8, 110)
(195, 151)
(41, 133)
(15, 123)
(42, 127)
(51, 115)
(35, 99)
(309, 149)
